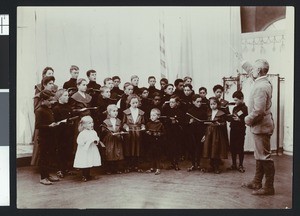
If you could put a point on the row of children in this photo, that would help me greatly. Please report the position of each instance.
(174, 123)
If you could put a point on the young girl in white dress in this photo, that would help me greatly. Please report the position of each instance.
(87, 154)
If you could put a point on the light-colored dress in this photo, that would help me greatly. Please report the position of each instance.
(87, 154)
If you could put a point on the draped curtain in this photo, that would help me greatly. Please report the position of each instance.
(198, 41)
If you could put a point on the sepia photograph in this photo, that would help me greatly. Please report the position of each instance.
(154, 107)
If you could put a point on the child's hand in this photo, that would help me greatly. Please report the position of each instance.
(143, 127)
(191, 121)
(236, 118)
(203, 139)
(126, 128)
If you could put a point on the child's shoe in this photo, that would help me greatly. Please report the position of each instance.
(150, 170)
(192, 168)
(157, 172)
(60, 174)
(84, 179)
(45, 181)
(241, 169)
(53, 178)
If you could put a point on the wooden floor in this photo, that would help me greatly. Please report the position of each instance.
(171, 189)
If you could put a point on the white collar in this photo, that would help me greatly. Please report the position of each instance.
(82, 94)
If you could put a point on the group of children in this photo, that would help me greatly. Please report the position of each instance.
(91, 124)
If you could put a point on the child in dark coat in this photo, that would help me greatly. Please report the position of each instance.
(238, 130)
(45, 123)
(155, 131)
(216, 144)
(196, 130)
(64, 133)
(113, 141)
(173, 126)
(134, 123)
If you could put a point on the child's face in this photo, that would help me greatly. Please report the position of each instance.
(134, 102)
(180, 86)
(74, 74)
(238, 101)
(117, 82)
(162, 84)
(135, 81)
(49, 73)
(156, 100)
(197, 102)
(113, 113)
(187, 91)
(213, 104)
(47, 102)
(152, 82)
(106, 93)
(188, 81)
(218, 93)
(153, 116)
(110, 84)
(202, 93)
(49, 86)
(89, 125)
(128, 90)
(145, 94)
(64, 98)
(169, 90)
(93, 77)
(173, 103)
(82, 87)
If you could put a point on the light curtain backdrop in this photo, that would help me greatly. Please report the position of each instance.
(122, 41)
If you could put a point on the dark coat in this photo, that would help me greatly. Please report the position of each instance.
(133, 139)
(71, 86)
(238, 128)
(152, 90)
(79, 102)
(117, 93)
(216, 142)
(93, 89)
(113, 143)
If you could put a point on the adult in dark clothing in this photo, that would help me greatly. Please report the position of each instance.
(152, 89)
(47, 72)
(45, 123)
(238, 130)
(71, 85)
(196, 130)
